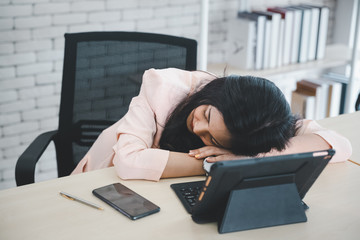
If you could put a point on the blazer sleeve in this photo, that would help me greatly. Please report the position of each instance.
(137, 154)
(126, 145)
(342, 145)
(134, 158)
(131, 145)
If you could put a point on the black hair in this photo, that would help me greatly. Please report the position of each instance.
(255, 112)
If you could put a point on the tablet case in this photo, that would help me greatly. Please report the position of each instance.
(260, 192)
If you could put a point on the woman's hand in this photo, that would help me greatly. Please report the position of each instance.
(214, 154)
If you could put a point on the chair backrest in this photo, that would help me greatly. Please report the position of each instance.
(102, 73)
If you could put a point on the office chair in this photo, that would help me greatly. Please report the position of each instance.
(102, 73)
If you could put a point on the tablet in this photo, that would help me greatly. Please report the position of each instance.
(300, 170)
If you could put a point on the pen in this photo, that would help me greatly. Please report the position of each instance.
(72, 197)
(353, 162)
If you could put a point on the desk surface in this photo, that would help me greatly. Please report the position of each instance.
(349, 126)
(37, 211)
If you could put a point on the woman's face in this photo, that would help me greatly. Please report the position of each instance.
(207, 122)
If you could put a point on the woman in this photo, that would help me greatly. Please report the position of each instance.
(180, 118)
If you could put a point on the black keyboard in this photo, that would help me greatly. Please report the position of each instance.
(188, 193)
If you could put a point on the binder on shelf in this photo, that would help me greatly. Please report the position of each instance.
(281, 43)
(334, 101)
(314, 30)
(242, 43)
(272, 44)
(304, 33)
(260, 36)
(278, 37)
(322, 32)
(287, 17)
(343, 80)
(295, 36)
(343, 97)
(266, 53)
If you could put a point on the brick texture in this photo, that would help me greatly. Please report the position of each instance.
(31, 57)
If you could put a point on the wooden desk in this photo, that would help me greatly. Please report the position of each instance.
(37, 211)
(349, 126)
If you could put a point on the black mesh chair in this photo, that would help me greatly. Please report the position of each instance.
(102, 73)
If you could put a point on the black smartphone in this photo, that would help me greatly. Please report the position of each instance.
(126, 201)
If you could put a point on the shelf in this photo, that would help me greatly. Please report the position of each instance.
(336, 55)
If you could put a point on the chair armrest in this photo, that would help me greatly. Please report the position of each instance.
(25, 166)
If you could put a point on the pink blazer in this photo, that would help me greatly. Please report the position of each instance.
(132, 143)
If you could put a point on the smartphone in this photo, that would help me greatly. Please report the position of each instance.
(126, 201)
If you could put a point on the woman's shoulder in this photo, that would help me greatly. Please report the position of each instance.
(175, 78)
(163, 89)
(308, 126)
(172, 84)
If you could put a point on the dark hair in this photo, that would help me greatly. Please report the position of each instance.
(255, 112)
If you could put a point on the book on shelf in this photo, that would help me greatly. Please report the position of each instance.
(319, 91)
(271, 49)
(242, 43)
(303, 105)
(334, 89)
(287, 18)
(326, 94)
(260, 21)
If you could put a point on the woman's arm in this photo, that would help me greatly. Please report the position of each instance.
(311, 133)
(310, 137)
(182, 165)
(303, 143)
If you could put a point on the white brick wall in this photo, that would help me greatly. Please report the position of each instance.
(31, 56)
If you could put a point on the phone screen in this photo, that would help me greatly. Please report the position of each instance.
(126, 201)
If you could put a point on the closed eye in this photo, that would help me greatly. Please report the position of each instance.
(207, 115)
(212, 139)
(215, 143)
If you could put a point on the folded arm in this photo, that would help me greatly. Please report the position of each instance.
(182, 165)
(310, 137)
